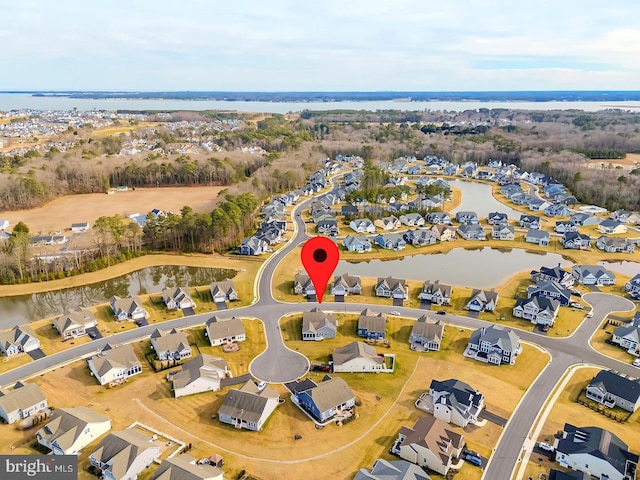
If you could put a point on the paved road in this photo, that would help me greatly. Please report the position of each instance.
(280, 364)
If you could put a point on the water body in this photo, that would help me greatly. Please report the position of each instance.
(479, 268)
(477, 197)
(21, 309)
(625, 267)
(16, 101)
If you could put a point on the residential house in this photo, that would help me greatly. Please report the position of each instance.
(436, 292)
(444, 233)
(540, 237)
(593, 275)
(576, 241)
(454, 401)
(221, 331)
(184, 467)
(627, 337)
(114, 364)
(390, 241)
(19, 339)
(387, 223)
(612, 389)
(482, 300)
(349, 211)
(325, 400)
(248, 406)
(346, 284)
(540, 310)
(318, 325)
(426, 334)
(223, 291)
(392, 288)
(25, 400)
(371, 324)
(412, 220)
(537, 204)
(359, 357)
(557, 210)
(572, 475)
(130, 308)
(596, 452)
(253, 246)
(529, 221)
(563, 226)
(357, 243)
(633, 286)
(392, 470)
(556, 274)
(431, 443)
(362, 225)
(71, 429)
(328, 227)
(494, 345)
(123, 454)
(582, 219)
(610, 226)
(80, 227)
(625, 216)
(503, 231)
(472, 232)
(170, 345)
(203, 373)
(497, 218)
(615, 244)
(74, 323)
(419, 237)
(438, 218)
(550, 289)
(302, 285)
(177, 298)
(467, 218)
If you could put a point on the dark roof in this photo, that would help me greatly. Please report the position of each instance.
(623, 387)
(598, 443)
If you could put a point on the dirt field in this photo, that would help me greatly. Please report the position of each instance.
(62, 212)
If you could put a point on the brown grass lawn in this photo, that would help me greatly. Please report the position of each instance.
(613, 351)
(566, 409)
(387, 403)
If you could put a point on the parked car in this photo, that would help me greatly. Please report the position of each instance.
(545, 328)
(395, 312)
(473, 460)
(576, 293)
(441, 312)
(590, 314)
(546, 447)
(636, 362)
(470, 452)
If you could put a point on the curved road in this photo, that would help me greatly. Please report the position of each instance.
(279, 364)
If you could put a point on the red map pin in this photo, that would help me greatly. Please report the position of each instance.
(320, 257)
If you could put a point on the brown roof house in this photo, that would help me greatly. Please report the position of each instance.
(426, 334)
(114, 364)
(177, 298)
(71, 429)
(201, 374)
(19, 339)
(248, 406)
(184, 467)
(371, 324)
(361, 358)
(74, 323)
(173, 344)
(431, 443)
(317, 325)
(223, 291)
(25, 400)
(222, 331)
(130, 308)
(123, 454)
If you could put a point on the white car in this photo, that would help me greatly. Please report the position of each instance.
(636, 362)
(395, 312)
(546, 447)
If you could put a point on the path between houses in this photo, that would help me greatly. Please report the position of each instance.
(287, 462)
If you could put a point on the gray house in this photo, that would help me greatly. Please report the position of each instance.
(371, 324)
(482, 300)
(494, 345)
(503, 231)
(426, 334)
(24, 401)
(593, 275)
(248, 406)
(123, 454)
(302, 285)
(614, 390)
(436, 292)
(346, 284)
(317, 325)
(539, 237)
(223, 291)
(392, 288)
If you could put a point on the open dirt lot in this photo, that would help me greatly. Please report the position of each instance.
(62, 212)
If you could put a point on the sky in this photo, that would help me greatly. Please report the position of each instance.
(328, 45)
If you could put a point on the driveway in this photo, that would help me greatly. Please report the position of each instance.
(493, 418)
(93, 333)
(398, 302)
(222, 306)
(36, 354)
(312, 298)
(187, 312)
(142, 322)
(472, 314)
(425, 304)
(338, 298)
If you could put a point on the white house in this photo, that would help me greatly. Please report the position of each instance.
(455, 402)
(362, 225)
(130, 308)
(593, 275)
(201, 374)
(223, 291)
(318, 325)
(540, 310)
(184, 467)
(19, 339)
(74, 323)
(177, 298)
(71, 429)
(170, 345)
(114, 364)
(248, 406)
(222, 331)
(25, 400)
(123, 454)
(361, 358)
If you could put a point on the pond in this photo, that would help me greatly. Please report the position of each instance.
(479, 268)
(625, 267)
(21, 309)
(477, 197)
